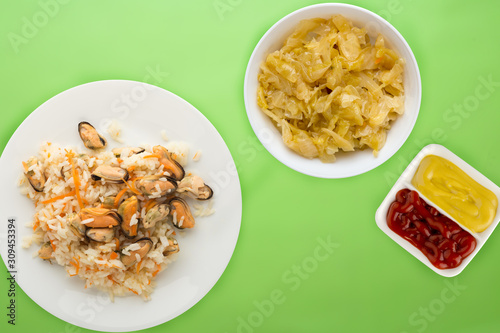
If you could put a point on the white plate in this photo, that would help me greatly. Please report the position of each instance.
(351, 163)
(143, 111)
(405, 182)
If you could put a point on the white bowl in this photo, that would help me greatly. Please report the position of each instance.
(347, 164)
(405, 182)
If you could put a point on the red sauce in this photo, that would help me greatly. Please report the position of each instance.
(440, 239)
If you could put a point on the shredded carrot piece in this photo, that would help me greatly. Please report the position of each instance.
(158, 267)
(131, 169)
(135, 292)
(113, 255)
(194, 157)
(173, 233)
(149, 204)
(59, 197)
(378, 60)
(77, 187)
(131, 185)
(52, 244)
(117, 243)
(139, 266)
(113, 280)
(119, 196)
(25, 166)
(36, 224)
(76, 264)
(149, 282)
(151, 156)
(119, 160)
(76, 178)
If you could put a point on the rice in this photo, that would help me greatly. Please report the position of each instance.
(96, 263)
(203, 210)
(197, 156)
(132, 247)
(180, 151)
(133, 220)
(164, 135)
(114, 130)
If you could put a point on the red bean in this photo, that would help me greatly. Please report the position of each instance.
(434, 211)
(423, 228)
(440, 239)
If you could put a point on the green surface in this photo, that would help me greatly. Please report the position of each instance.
(276, 280)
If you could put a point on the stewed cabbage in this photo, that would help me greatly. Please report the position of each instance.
(328, 89)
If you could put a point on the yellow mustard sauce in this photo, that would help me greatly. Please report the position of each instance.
(454, 191)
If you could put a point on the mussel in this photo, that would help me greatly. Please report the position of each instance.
(132, 150)
(170, 165)
(194, 187)
(156, 186)
(75, 225)
(180, 214)
(173, 247)
(46, 251)
(130, 214)
(156, 214)
(110, 174)
(91, 139)
(144, 246)
(108, 202)
(102, 235)
(103, 218)
(37, 181)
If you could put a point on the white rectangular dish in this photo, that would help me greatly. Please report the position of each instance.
(404, 181)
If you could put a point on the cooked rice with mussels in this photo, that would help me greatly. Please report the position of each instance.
(109, 217)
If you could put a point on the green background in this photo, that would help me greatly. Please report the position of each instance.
(368, 283)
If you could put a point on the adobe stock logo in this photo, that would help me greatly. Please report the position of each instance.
(31, 26)
(292, 278)
(426, 315)
(225, 6)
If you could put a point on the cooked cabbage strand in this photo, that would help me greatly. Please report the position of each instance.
(329, 89)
